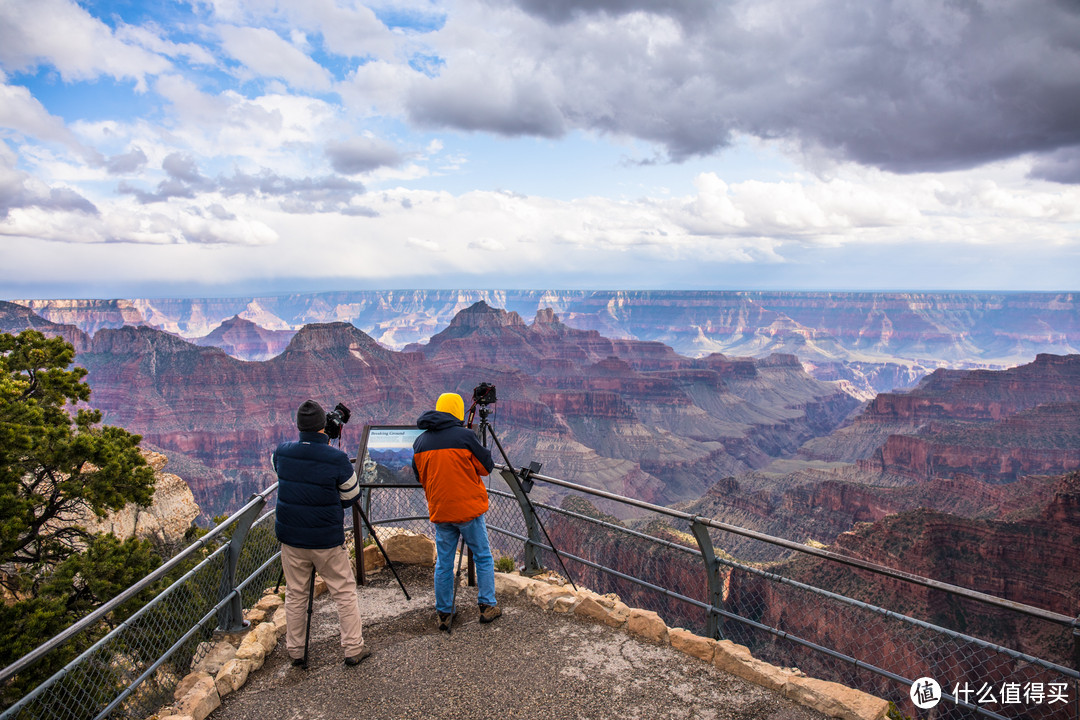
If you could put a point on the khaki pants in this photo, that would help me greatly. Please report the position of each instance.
(334, 567)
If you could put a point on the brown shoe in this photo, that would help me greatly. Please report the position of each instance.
(489, 613)
(358, 658)
(444, 620)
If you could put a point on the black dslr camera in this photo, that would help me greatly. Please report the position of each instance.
(335, 419)
(484, 394)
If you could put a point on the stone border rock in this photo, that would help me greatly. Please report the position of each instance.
(833, 699)
(228, 662)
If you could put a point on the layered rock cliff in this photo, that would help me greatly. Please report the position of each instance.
(244, 340)
(166, 519)
(968, 443)
(1032, 562)
(16, 318)
(88, 315)
(630, 416)
(876, 341)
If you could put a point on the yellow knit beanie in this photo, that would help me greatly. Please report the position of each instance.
(451, 403)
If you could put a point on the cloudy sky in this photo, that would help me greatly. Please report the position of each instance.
(229, 147)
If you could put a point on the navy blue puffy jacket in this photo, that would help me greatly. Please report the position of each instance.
(310, 512)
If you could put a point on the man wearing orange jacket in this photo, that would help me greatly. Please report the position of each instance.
(450, 463)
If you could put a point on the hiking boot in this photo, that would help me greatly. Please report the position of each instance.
(299, 662)
(444, 620)
(358, 658)
(489, 612)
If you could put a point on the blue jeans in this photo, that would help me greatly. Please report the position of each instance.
(446, 540)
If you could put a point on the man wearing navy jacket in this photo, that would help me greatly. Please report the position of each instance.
(315, 484)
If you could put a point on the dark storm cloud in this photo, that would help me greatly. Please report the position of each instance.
(905, 85)
(1062, 166)
(128, 162)
(358, 155)
(524, 108)
(561, 11)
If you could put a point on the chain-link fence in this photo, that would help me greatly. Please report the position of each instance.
(991, 658)
(134, 668)
(806, 612)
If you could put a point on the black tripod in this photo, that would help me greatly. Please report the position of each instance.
(522, 474)
(457, 581)
(389, 562)
(303, 662)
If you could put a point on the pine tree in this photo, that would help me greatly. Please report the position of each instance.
(57, 464)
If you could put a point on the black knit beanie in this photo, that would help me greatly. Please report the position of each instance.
(310, 417)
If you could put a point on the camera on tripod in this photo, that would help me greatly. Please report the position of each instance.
(336, 418)
(484, 394)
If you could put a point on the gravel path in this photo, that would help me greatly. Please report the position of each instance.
(527, 664)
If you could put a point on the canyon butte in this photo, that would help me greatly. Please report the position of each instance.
(874, 341)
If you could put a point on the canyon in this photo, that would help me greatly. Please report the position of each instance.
(969, 474)
(626, 415)
(875, 341)
(978, 444)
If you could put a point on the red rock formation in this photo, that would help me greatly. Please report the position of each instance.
(627, 415)
(982, 394)
(601, 405)
(876, 341)
(88, 315)
(244, 340)
(1009, 428)
(15, 318)
(921, 458)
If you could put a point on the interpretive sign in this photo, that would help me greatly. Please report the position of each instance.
(385, 455)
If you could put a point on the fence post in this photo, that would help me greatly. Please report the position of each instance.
(532, 564)
(360, 533)
(1076, 644)
(712, 573)
(231, 616)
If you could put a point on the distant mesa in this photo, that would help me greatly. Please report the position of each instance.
(245, 340)
(88, 315)
(477, 318)
(874, 342)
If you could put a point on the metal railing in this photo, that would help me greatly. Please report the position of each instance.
(820, 611)
(803, 612)
(133, 670)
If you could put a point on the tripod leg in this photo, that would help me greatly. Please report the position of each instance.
(457, 576)
(310, 606)
(390, 563)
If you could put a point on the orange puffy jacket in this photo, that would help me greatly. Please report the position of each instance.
(449, 462)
